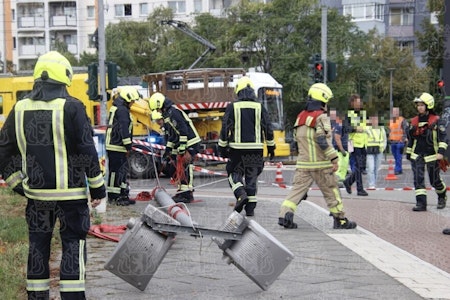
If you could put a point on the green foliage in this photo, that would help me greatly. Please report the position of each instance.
(13, 245)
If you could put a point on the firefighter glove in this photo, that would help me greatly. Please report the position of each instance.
(224, 151)
(271, 151)
(344, 153)
(98, 193)
(19, 189)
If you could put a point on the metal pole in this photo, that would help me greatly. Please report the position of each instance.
(391, 101)
(446, 56)
(324, 42)
(101, 62)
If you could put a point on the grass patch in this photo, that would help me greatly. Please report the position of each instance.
(13, 245)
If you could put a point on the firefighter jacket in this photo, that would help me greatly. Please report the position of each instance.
(376, 140)
(314, 139)
(52, 135)
(355, 125)
(426, 137)
(246, 125)
(119, 134)
(180, 132)
(398, 130)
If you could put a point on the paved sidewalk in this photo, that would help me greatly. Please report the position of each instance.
(328, 264)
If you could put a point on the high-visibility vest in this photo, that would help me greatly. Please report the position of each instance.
(396, 130)
(376, 137)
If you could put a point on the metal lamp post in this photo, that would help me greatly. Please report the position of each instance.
(391, 102)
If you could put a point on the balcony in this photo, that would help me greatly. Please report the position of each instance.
(31, 22)
(63, 21)
(32, 50)
(400, 31)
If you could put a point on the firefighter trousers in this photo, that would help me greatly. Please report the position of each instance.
(117, 175)
(74, 223)
(327, 183)
(243, 168)
(418, 166)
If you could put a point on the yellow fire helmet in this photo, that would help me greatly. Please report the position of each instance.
(243, 83)
(320, 92)
(53, 66)
(156, 101)
(129, 93)
(427, 99)
(156, 115)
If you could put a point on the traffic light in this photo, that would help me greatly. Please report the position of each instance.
(92, 82)
(331, 71)
(311, 73)
(318, 71)
(112, 75)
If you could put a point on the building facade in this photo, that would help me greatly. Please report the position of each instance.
(29, 28)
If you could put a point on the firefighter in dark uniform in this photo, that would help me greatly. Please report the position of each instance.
(316, 162)
(118, 144)
(245, 126)
(182, 145)
(53, 136)
(426, 146)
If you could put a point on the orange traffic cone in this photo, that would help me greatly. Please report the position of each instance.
(279, 176)
(391, 175)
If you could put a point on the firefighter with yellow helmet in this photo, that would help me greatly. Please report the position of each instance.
(182, 144)
(316, 162)
(427, 143)
(47, 150)
(245, 127)
(118, 142)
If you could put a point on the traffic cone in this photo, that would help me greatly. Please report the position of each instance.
(391, 175)
(279, 176)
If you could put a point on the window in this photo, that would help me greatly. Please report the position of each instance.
(91, 12)
(91, 39)
(433, 18)
(368, 11)
(13, 14)
(178, 7)
(198, 6)
(123, 10)
(143, 9)
(401, 16)
(406, 45)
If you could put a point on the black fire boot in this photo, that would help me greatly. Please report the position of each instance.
(421, 203)
(343, 223)
(250, 209)
(242, 200)
(288, 221)
(442, 201)
(184, 197)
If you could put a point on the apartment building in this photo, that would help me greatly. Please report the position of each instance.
(29, 28)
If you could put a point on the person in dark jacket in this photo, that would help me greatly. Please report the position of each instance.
(47, 150)
(119, 136)
(245, 127)
(183, 144)
(427, 143)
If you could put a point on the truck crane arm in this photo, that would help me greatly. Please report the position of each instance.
(183, 27)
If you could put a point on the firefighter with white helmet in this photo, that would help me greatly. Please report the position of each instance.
(118, 142)
(48, 153)
(427, 143)
(182, 144)
(316, 162)
(245, 127)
